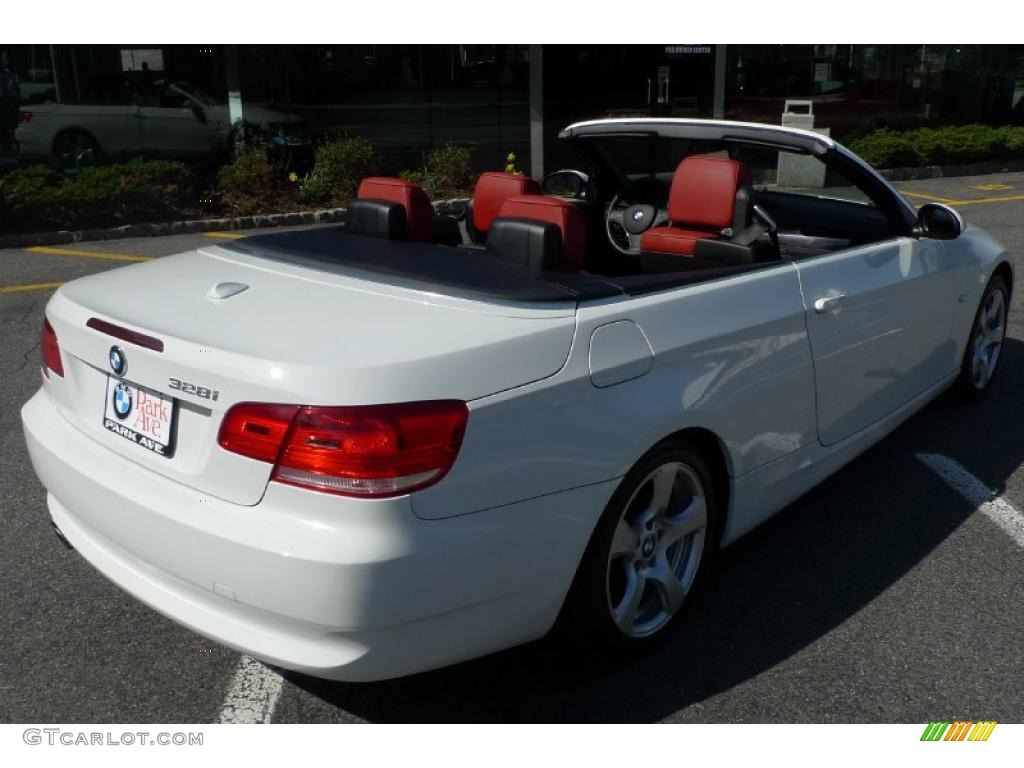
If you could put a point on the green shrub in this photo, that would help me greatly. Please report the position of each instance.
(313, 189)
(37, 197)
(450, 169)
(447, 172)
(341, 163)
(416, 177)
(30, 197)
(1012, 137)
(248, 182)
(886, 148)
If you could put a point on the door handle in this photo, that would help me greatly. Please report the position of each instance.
(828, 303)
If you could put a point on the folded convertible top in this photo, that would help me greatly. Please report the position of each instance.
(424, 266)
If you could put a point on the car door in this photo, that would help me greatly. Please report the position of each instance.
(172, 126)
(107, 112)
(878, 319)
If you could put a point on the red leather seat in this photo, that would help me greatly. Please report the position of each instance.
(569, 219)
(492, 190)
(702, 202)
(419, 213)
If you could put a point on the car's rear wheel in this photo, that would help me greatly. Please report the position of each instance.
(649, 550)
(985, 345)
(75, 147)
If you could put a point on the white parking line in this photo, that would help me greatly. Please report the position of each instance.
(994, 507)
(253, 693)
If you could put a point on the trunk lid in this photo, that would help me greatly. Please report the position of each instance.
(295, 335)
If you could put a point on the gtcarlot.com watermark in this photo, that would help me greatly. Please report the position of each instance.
(71, 738)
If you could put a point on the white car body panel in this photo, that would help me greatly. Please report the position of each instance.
(888, 339)
(128, 129)
(564, 397)
(355, 347)
(715, 365)
(176, 131)
(115, 127)
(369, 590)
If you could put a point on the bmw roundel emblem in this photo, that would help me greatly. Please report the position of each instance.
(122, 400)
(118, 361)
(638, 216)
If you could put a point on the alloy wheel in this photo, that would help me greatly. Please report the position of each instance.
(656, 549)
(988, 339)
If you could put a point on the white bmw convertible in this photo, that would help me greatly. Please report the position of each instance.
(365, 451)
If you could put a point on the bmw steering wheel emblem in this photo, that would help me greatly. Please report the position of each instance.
(118, 361)
(638, 216)
(122, 400)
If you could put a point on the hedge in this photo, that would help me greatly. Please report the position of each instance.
(886, 148)
(37, 197)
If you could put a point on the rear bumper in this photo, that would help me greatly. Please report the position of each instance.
(340, 588)
(33, 142)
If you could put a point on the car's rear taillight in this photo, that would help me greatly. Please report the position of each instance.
(256, 430)
(50, 351)
(369, 451)
(24, 117)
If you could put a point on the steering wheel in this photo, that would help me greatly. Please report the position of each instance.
(626, 221)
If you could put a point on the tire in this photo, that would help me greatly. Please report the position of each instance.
(984, 345)
(648, 553)
(76, 143)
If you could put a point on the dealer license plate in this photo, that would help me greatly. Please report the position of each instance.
(139, 414)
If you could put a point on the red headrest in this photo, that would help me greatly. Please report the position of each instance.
(419, 213)
(552, 210)
(703, 193)
(494, 188)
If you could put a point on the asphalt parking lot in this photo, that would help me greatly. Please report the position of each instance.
(881, 596)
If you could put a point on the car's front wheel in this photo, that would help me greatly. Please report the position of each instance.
(649, 550)
(985, 345)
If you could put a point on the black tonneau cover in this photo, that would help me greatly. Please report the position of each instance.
(424, 266)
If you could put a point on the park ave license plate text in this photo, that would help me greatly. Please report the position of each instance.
(141, 415)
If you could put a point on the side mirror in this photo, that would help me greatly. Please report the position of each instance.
(567, 183)
(939, 222)
(199, 112)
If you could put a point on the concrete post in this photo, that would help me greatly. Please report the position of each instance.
(56, 77)
(718, 110)
(537, 111)
(234, 79)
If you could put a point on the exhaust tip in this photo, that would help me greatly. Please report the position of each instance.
(61, 536)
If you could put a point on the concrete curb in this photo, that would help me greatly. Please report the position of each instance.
(454, 206)
(985, 168)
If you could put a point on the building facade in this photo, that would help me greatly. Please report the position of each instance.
(514, 98)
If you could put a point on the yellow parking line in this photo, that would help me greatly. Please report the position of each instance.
(1007, 199)
(933, 198)
(225, 235)
(33, 287)
(975, 201)
(87, 254)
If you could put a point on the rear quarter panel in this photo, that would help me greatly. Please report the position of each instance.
(730, 356)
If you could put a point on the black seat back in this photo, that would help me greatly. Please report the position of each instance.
(376, 218)
(536, 244)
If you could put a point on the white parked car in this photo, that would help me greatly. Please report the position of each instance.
(367, 451)
(165, 119)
